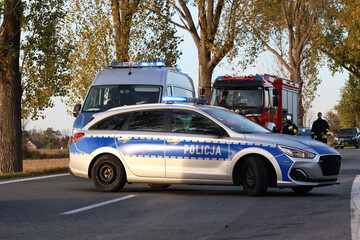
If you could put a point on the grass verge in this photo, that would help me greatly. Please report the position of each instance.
(33, 168)
(35, 173)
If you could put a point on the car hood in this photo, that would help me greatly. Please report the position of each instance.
(310, 145)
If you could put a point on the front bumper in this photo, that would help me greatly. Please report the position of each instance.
(348, 143)
(323, 171)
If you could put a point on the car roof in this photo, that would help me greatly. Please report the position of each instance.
(144, 107)
(131, 76)
(189, 106)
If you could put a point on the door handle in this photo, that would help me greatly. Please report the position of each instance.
(174, 141)
(124, 139)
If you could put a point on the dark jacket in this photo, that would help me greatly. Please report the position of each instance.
(290, 128)
(319, 129)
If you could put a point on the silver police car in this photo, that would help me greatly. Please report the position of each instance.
(165, 144)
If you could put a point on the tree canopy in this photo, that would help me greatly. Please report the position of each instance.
(215, 30)
(26, 89)
(98, 30)
(342, 43)
(291, 30)
(333, 119)
(349, 103)
(44, 58)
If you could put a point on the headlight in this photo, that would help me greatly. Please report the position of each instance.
(336, 139)
(296, 153)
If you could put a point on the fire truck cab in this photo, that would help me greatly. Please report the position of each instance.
(264, 98)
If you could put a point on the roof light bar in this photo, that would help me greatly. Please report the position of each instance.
(172, 99)
(136, 64)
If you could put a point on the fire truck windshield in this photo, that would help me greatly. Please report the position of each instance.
(230, 98)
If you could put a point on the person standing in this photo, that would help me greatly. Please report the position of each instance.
(319, 129)
(290, 127)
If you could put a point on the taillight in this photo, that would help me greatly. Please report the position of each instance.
(78, 136)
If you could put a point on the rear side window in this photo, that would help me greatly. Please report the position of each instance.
(180, 80)
(115, 122)
(146, 121)
(182, 92)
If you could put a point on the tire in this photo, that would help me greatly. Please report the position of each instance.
(158, 186)
(302, 189)
(254, 176)
(108, 174)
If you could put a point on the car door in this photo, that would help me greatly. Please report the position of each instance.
(190, 152)
(141, 143)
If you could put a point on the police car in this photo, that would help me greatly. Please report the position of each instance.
(165, 144)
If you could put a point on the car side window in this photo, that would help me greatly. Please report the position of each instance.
(177, 91)
(115, 122)
(189, 122)
(146, 121)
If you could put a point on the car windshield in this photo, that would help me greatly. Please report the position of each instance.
(102, 98)
(234, 121)
(349, 131)
(237, 97)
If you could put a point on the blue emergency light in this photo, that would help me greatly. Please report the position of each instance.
(173, 99)
(136, 64)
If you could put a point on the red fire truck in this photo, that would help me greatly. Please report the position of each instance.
(264, 98)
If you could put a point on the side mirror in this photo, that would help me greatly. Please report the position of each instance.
(215, 130)
(276, 101)
(276, 91)
(76, 110)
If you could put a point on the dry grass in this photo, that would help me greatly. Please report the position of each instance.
(30, 165)
(32, 168)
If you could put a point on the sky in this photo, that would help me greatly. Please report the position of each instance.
(328, 91)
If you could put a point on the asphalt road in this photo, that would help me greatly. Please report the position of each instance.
(65, 207)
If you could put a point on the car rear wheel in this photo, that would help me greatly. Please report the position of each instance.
(108, 174)
(159, 186)
(254, 176)
(302, 189)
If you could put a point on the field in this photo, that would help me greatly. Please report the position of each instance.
(38, 164)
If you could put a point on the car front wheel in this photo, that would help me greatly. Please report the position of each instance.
(254, 176)
(108, 174)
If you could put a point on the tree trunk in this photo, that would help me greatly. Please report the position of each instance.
(122, 13)
(205, 69)
(115, 12)
(10, 89)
